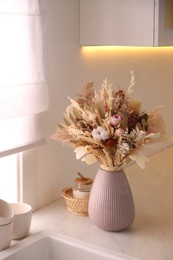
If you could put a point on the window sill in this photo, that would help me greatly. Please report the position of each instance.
(25, 147)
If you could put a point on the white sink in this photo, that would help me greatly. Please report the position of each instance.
(53, 246)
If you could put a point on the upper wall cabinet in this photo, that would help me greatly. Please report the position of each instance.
(126, 22)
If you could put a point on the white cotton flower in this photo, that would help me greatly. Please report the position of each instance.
(97, 137)
(94, 132)
(100, 133)
(100, 129)
(104, 135)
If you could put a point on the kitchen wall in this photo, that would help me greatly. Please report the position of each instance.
(51, 167)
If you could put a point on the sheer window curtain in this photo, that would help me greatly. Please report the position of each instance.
(23, 87)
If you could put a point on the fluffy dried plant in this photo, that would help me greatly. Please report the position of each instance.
(109, 127)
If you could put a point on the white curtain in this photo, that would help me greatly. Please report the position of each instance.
(23, 87)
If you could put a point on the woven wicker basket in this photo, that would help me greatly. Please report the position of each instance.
(75, 206)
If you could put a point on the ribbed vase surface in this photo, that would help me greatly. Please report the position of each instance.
(111, 205)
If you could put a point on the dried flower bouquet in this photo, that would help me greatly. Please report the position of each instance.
(109, 127)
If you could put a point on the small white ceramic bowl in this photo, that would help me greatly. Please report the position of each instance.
(6, 232)
(22, 220)
(6, 213)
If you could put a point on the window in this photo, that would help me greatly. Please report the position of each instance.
(8, 176)
(23, 86)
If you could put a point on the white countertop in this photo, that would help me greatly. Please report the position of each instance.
(151, 235)
(147, 239)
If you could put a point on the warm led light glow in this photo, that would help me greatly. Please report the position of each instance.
(102, 50)
(115, 48)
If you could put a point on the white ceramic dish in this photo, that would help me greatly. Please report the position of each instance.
(6, 213)
(6, 235)
(53, 246)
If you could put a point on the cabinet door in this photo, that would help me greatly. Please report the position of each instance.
(164, 23)
(117, 22)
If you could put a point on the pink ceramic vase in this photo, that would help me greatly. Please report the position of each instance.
(111, 205)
